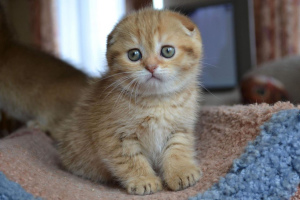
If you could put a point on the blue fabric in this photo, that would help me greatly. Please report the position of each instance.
(10, 190)
(270, 167)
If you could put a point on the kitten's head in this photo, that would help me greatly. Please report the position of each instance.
(154, 52)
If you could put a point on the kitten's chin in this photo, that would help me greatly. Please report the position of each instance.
(156, 86)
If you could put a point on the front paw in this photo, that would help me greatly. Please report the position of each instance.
(144, 185)
(179, 178)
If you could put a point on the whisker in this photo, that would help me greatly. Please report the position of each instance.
(133, 82)
(133, 90)
(115, 82)
(115, 75)
(209, 65)
(123, 91)
(118, 97)
(118, 83)
(138, 85)
(209, 91)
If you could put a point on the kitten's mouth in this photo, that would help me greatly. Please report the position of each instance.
(153, 78)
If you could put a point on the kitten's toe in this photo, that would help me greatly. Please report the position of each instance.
(144, 185)
(182, 178)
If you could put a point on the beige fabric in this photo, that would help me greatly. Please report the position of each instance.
(29, 158)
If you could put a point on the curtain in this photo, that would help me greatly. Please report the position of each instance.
(76, 30)
(276, 28)
(83, 27)
(43, 25)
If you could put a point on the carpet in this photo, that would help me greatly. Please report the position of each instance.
(245, 152)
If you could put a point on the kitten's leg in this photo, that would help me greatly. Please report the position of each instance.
(179, 166)
(132, 168)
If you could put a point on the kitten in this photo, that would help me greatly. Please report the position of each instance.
(137, 122)
(34, 85)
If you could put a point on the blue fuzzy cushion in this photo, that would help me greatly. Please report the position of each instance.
(270, 167)
(10, 190)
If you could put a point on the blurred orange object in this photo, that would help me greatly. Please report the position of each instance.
(262, 89)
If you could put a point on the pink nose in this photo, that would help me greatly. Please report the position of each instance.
(151, 68)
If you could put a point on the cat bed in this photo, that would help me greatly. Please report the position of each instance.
(245, 152)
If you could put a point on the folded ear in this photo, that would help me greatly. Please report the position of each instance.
(110, 40)
(188, 26)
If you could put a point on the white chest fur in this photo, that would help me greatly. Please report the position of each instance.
(153, 136)
(153, 125)
(154, 130)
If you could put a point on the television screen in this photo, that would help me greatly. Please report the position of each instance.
(216, 24)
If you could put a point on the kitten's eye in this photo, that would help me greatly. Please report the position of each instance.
(134, 55)
(168, 51)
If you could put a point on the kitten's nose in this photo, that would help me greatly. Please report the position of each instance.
(151, 68)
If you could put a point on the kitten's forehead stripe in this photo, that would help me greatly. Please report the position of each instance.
(147, 27)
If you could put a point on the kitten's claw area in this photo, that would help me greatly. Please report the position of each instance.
(183, 178)
(144, 185)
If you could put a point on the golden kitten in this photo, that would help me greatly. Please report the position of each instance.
(135, 125)
(35, 86)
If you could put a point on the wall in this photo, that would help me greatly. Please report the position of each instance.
(18, 16)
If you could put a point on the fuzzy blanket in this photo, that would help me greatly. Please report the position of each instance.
(246, 152)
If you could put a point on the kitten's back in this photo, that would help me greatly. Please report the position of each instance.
(35, 85)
